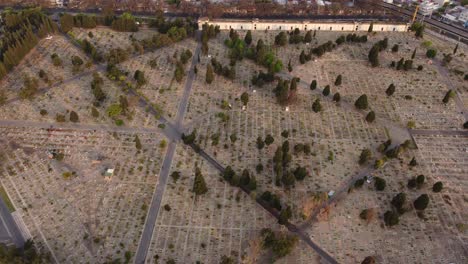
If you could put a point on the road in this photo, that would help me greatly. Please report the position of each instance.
(462, 34)
(10, 225)
(424, 132)
(155, 206)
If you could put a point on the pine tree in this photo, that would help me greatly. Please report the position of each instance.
(199, 184)
(316, 106)
(209, 74)
(390, 90)
(338, 80)
(74, 117)
(138, 145)
(337, 97)
(371, 27)
(361, 103)
(313, 85)
(370, 117)
(326, 90)
(248, 37)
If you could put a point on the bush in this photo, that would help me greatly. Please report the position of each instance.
(361, 103)
(359, 183)
(74, 117)
(431, 53)
(370, 117)
(421, 202)
(326, 90)
(365, 156)
(437, 187)
(336, 97)
(399, 201)
(420, 181)
(313, 85)
(391, 218)
(380, 184)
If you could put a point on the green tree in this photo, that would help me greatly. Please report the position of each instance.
(413, 162)
(390, 90)
(391, 218)
(225, 259)
(366, 155)
(361, 103)
(269, 140)
(199, 184)
(421, 202)
(431, 53)
(399, 202)
(316, 106)
(371, 27)
(448, 95)
(209, 74)
(179, 72)
(313, 85)
(326, 90)
(114, 110)
(137, 141)
(369, 260)
(395, 48)
(248, 38)
(380, 184)
(260, 143)
(338, 80)
(245, 98)
(370, 117)
(285, 215)
(308, 37)
(420, 181)
(139, 76)
(337, 97)
(437, 187)
(74, 117)
(374, 56)
(290, 68)
(66, 22)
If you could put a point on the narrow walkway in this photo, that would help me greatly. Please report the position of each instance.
(152, 215)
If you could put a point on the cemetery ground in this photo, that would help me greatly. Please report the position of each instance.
(54, 169)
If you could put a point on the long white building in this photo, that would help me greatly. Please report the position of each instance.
(269, 24)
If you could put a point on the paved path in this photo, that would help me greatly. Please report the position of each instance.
(75, 126)
(463, 133)
(345, 186)
(6, 219)
(152, 215)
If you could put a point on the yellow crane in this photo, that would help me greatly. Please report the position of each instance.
(415, 13)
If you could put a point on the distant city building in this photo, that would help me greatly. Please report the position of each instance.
(427, 8)
(463, 17)
(273, 24)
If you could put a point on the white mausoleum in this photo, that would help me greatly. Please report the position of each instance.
(266, 24)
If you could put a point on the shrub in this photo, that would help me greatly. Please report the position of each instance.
(74, 117)
(370, 117)
(391, 218)
(431, 53)
(380, 184)
(421, 202)
(437, 187)
(361, 103)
